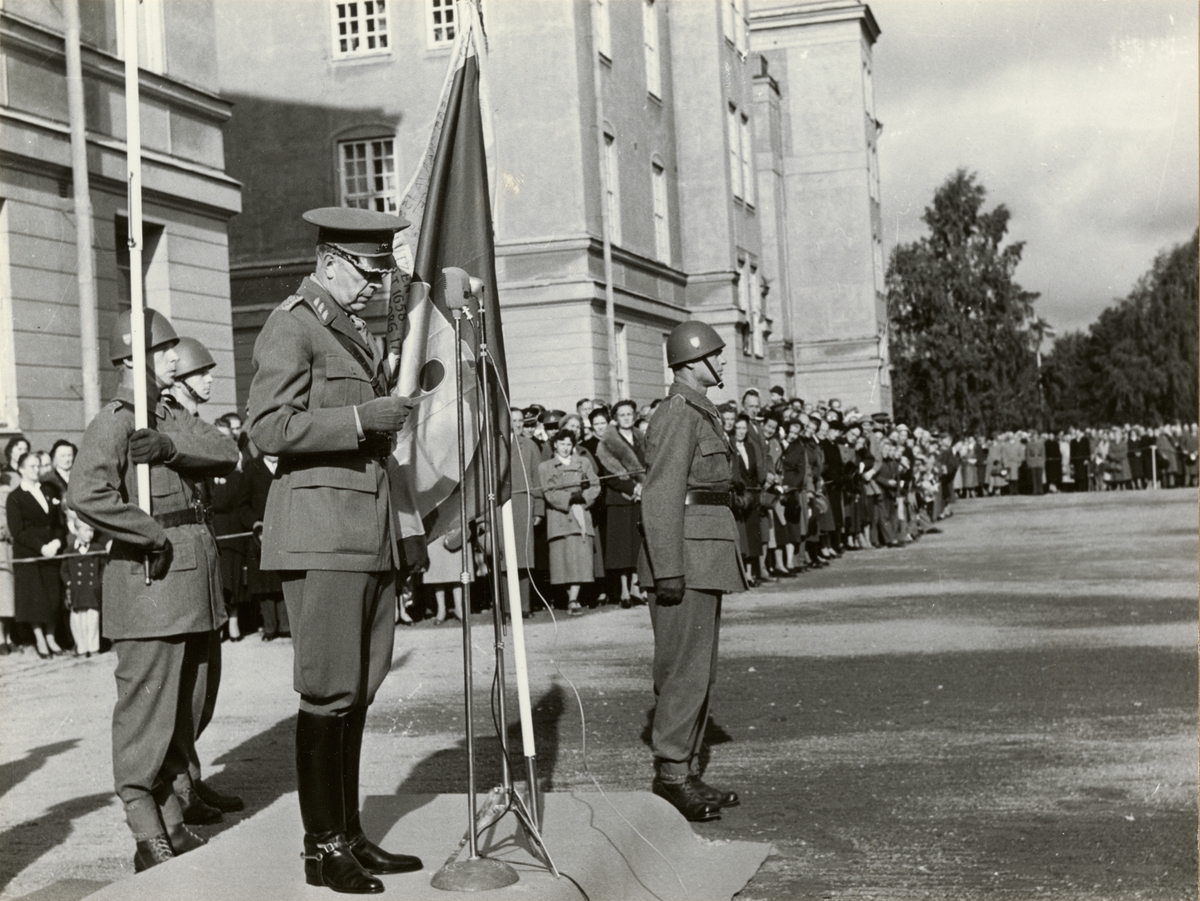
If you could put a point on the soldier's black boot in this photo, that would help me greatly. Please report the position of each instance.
(684, 798)
(151, 852)
(213, 798)
(328, 860)
(195, 811)
(722, 797)
(372, 857)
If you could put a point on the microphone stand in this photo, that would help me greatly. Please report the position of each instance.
(505, 797)
(475, 873)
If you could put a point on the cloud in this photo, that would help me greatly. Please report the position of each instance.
(1080, 117)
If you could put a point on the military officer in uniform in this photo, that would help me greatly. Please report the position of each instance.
(690, 556)
(202, 804)
(318, 402)
(161, 631)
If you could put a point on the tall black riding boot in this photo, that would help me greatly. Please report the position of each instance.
(372, 857)
(328, 859)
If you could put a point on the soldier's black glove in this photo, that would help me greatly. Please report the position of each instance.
(384, 414)
(668, 592)
(150, 446)
(160, 560)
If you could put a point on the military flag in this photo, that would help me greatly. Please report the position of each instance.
(449, 204)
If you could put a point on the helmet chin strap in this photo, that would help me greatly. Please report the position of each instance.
(712, 369)
(192, 391)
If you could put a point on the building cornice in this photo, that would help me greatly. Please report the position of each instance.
(31, 37)
(13, 158)
(820, 12)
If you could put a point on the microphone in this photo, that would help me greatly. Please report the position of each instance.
(457, 288)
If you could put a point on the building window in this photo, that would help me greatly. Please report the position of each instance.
(622, 360)
(747, 155)
(360, 28)
(662, 222)
(151, 48)
(441, 22)
(757, 319)
(734, 141)
(368, 170)
(612, 189)
(156, 292)
(650, 36)
(601, 28)
(668, 375)
(734, 24)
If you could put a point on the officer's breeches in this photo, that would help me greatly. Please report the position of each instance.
(153, 730)
(343, 627)
(685, 668)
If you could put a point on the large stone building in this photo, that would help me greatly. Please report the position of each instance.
(654, 122)
(188, 200)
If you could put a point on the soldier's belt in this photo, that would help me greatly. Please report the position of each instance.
(189, 516)
(696, 497)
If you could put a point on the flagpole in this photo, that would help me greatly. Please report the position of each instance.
(137, 317)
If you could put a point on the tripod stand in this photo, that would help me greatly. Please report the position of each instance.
(477, 873)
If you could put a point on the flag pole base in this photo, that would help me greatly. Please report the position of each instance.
(478, 874)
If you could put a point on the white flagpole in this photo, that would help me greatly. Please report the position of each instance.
(137, 318)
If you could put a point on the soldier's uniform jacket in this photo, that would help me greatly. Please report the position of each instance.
(329, 506)
(103, 491)
(686, 449)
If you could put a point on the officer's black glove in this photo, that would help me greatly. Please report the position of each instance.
(384, 414)
(577, 498)
(585, 485)
(160, 560)
(668, 592)
(150, 446)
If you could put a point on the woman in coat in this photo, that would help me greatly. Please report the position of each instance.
(38, 529)
(622, 457)
(570, 486)
(746, 472)
(528, 506)
(8, 607)
(794, 475)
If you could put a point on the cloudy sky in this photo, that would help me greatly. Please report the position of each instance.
(1079, 115)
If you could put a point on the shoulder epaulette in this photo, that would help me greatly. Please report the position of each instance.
(317, 305)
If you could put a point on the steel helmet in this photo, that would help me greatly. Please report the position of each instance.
(690, 341)
(159, 333)
(193, 358)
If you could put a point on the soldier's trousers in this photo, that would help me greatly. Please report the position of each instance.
(204, 696)
(685, 669)
(153, 729)
(343, 628)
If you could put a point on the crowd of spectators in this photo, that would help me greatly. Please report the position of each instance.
(812, 481)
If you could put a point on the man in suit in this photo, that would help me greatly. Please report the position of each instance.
(318, 401)
(690, 556)
(161, 631)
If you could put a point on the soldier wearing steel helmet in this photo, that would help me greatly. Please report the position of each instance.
(319, 403)
(690, 556)
(160, 631)
(193, 387)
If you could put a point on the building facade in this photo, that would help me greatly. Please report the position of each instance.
(635, 119)
(816, 99)
(188, 200)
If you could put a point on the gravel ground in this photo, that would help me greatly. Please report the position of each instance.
(1006, 709)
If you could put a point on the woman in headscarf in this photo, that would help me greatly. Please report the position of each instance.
(570, 486)
(622, 455)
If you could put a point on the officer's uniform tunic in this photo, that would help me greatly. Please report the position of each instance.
(686, 451)
(328, 522)
(161, 632)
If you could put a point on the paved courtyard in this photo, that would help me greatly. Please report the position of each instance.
(1007, 709)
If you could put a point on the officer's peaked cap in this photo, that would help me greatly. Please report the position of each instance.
(363, 234)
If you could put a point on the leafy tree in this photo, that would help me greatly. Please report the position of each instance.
(963, 346)
(1137, 363)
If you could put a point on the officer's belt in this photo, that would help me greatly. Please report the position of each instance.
(198, 515)
(695, 497)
